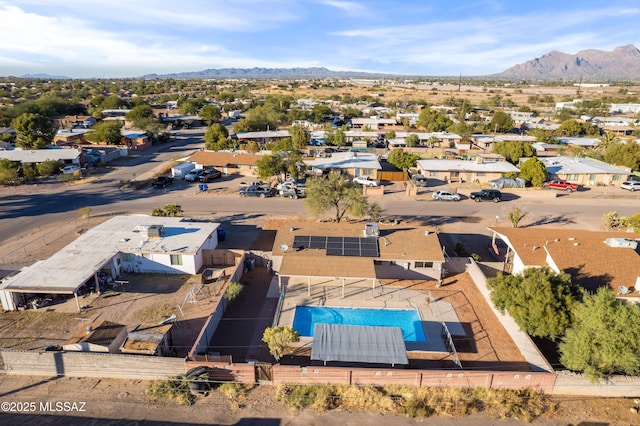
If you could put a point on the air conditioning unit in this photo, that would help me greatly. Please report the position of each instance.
(155, 231)
(371, 230)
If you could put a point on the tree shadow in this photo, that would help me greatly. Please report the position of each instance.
(551, 220)
(589, 282)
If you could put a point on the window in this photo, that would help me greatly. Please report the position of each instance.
(481, 174)
(617, 177)
(424, 264)
(572, 177)
(592, 178)
(433, 174)
(176, 259)
(126, 257)
(146, 255)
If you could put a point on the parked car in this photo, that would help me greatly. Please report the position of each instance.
(366, 181)
(257, 191)
(289, 190)
(68, 170)
(162, 181)
(631, 185)
(486, 195)
(193, 175)
(562, 185)
(445, 196)
(420, 180)
(210, 174)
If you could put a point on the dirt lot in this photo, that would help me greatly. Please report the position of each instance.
(124, 402)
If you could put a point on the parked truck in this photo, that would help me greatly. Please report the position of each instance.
(181, 170)
(562, 185)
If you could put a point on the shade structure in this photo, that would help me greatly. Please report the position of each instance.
(355, 343)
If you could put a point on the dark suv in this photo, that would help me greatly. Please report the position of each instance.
(486, 195)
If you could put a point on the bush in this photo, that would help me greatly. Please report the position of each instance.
(524, 404)
(177, 389)
(233, 291)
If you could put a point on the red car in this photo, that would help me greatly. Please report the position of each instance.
(562, 185)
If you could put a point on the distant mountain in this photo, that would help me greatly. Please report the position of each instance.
(46, 76)
(623, 63)
(268, 73)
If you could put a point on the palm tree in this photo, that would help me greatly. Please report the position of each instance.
(606, 140)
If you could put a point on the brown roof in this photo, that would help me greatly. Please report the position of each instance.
(223, 159)
(315, 263)
(583, 254)
(102, 333)
(396, 242)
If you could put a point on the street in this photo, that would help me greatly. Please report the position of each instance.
(28, 207)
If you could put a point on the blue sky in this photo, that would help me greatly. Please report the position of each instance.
(129, 38)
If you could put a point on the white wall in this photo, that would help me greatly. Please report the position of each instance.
(8, 300)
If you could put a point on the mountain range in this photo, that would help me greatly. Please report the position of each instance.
(269, 73)
(622, 63)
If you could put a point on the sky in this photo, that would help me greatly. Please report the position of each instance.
(131, 38)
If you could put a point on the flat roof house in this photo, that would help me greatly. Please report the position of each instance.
(343, 251)
(137, 244)
(227, 162)
(485, 168)
(37, 156)
(585, 171)
(350, 162)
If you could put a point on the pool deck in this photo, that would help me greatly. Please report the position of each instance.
(360, 294)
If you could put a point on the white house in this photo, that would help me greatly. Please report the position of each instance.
(352, 163)
(485, 168)
(585, 171)
(137, 244)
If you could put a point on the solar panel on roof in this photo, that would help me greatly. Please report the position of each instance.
(339, 246)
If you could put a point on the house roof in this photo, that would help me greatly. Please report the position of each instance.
(40, 155)
(73, 265)
(145, 338)
(582, 254)
(347, 160)
(504, 138)
(314, 263)
(572, 165)
(264, 135)
(398, 243)
(467, 166)
(224, 159)
(579, 141)
(101, 333)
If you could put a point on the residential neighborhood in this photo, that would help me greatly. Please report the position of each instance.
(146, 257)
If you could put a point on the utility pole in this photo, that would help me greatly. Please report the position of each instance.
(460, 82)
(579, 86)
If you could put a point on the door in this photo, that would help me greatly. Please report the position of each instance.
(263, 372)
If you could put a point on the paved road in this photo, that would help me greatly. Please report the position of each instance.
(28, 207)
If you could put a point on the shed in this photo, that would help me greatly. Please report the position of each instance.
(99, 336)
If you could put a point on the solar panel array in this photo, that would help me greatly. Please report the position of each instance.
(339, 246)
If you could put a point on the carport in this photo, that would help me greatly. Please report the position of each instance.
(307, 265)
(63, 273)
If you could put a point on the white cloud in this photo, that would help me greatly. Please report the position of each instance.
(349, 7)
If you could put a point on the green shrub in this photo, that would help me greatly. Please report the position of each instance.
(233, 291)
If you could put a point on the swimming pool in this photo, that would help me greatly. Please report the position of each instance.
(306, 317)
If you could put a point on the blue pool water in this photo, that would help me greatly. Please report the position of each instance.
(306, 317)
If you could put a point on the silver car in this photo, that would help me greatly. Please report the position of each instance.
(445, 196)
(631, 185)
